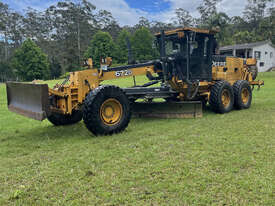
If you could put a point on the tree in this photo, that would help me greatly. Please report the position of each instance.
(6, 72)
(106, 22)
(55, 68)
(221, 22)
(207, 9)
(30, 62)
(157, 26)
(4, 19)
(143, 22)
(36, 26)
(142, 44)
(64, 30)
(271, 24)
(72, 24)
(183, 18)
(244, 37)
(260, 18)
(254, 12)
(101, 46)
(122, 48)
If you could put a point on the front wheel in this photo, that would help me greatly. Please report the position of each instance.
(221, 97)
(106, 110)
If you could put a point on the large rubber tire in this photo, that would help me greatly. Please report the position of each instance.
(254, 71)
(94, 114)
(61, 119)
(221, 97)
(242, 94)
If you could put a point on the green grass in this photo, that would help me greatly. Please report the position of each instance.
(215, 160)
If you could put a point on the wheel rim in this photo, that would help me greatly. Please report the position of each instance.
(111, 111)
(226, 98)
(245, 95)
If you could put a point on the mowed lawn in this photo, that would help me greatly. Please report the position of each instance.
(215, 160)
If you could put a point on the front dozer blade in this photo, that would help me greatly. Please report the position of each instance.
(188, 109)
(30, 100)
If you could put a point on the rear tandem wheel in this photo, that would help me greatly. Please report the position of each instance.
(221, 97)
(243, 94)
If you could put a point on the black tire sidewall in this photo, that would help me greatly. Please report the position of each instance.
(91, 110)
(216, 97)
(238, 87)
(122, 100)
(230, 106)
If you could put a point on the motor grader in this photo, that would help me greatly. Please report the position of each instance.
(188, 71)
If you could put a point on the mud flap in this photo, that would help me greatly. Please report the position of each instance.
(191, 109)
(30, 100)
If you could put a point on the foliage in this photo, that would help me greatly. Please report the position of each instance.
(101, 46)
(64, 30)
(244, 36)
(183, 18)
(142, 42)
(122, 49)
(30, 62)
(55, 68)
(6, 72)
(71, 25)
(207, 9)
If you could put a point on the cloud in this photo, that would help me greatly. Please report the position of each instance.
(20, 5)
(120, 10)
(232, 7)
(126, 15)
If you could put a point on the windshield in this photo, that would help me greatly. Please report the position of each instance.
(174, 45)
(199, 46)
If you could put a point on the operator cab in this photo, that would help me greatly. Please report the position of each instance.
(188, 50)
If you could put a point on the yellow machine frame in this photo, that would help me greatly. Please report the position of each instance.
(81, 82)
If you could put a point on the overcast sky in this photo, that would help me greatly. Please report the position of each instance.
(127, 12)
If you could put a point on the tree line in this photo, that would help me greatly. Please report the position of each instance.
(46, 44)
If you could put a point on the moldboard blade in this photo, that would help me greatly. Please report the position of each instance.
(30, 100)
(191, 109)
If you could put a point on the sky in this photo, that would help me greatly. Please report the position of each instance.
(127, 12)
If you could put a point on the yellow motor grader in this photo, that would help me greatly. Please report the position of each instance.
(188, 71)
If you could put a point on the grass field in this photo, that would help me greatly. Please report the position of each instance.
(216, 160)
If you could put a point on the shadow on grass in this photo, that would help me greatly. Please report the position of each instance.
(45, 131)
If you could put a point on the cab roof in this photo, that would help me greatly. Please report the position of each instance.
(177, 31)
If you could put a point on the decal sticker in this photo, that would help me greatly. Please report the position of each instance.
(219, 64)
(123, 73)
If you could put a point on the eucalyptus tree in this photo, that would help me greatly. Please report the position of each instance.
(73, 25)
